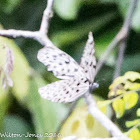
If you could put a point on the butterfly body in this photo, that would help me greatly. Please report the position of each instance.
(76, 80)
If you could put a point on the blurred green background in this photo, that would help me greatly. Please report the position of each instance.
(21, 108)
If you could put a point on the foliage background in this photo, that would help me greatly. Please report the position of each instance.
(21, 108)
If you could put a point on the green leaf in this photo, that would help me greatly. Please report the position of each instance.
(119, 107)
(131, 63)
(101, 43)
(9, 5)
(135, 134)
(16, 125)
(4, 104)
(67, 9)
(107, 1)
(46, 114)
(4, 99)
(123, 6)
(20, 74)
(67, 36)
(130, 99)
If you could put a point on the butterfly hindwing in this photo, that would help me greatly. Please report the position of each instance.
(65, 90)
(88, 60)
(62, 65)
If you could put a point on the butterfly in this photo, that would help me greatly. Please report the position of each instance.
(76, 80)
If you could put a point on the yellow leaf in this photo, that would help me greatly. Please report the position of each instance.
(119, 92)
(134, 86)
(118, 106)
(135, 134)
(131, 86)
(116, 82)
(111, 93)
(130, 99)
(132, 75)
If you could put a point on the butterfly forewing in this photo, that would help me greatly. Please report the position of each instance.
(88, 60)
(65, 90)
(62, 65)
(77, 79)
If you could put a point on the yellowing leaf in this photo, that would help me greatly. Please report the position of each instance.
(138, 112)
(135, 134)
(101, 104)
(130, 99)
(132, 123)
(132, 75)
(82, 124)
(118, 106)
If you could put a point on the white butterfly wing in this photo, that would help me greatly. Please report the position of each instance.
(62, 65)
(88, 60)
(65, 90)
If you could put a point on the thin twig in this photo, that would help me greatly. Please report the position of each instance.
(110, 47)
(102, 118)
(122, 45)
(122, 34)
(129, 16)
(120, 58)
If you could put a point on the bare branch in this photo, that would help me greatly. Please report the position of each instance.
(122, 34)
(46, 17)
(19, 33)
(122, 45)
(98, 115)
